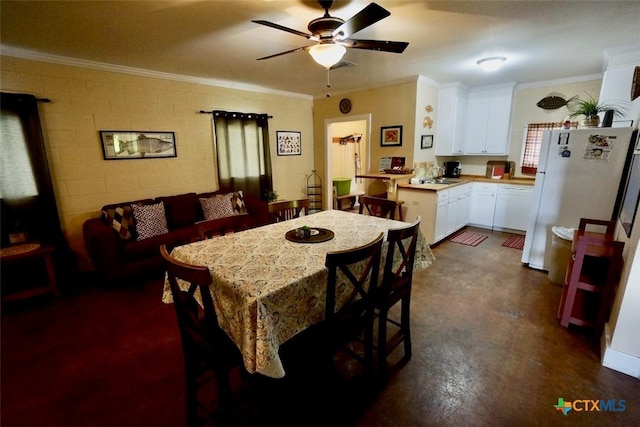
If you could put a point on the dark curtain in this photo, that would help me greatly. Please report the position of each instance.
(28, 202)
(242, 152)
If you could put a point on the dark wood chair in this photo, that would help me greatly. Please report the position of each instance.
(206, 348)
(396, 287)
(288, 209)
(609, 226)
(376, 206)
(352, 280)
(221, 226)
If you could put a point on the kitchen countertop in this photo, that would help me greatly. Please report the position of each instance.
(465, 179)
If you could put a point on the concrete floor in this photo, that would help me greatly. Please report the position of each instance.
(487, 350)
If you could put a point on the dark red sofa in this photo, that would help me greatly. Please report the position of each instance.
(119, 256)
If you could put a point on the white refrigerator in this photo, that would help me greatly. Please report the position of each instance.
(578, 176)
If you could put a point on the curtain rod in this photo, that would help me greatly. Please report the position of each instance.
(236, 114)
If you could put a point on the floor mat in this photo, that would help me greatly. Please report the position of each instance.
(469, 238)
(515, 242)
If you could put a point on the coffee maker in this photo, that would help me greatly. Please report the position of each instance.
(452, 169)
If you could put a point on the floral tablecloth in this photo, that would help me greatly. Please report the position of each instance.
(267, 289)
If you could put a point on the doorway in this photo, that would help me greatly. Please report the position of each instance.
(347, 151)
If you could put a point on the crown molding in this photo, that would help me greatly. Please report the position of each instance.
(101, 66)
(557, 82)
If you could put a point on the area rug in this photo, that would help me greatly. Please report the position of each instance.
(515, 242)
(469, 238)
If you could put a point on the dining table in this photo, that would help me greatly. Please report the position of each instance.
(269, 284)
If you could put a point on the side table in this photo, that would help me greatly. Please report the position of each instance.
(29, 252)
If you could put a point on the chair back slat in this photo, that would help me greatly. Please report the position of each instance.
(288, 209)
(361, 268)
(402, 241)
(376, 206)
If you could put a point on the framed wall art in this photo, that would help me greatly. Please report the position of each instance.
(289, 143)
(390, 136)
(426, 141)
(129, 144)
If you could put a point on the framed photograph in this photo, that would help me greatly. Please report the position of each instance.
(426, 142)
(129, 144)
(390, 136)
(289, 143)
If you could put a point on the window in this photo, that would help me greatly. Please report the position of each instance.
(533, 142)
(242, 152)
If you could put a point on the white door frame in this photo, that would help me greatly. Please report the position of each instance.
(328, 152)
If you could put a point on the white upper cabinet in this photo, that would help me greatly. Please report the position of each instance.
(452, 104)
(488, 120)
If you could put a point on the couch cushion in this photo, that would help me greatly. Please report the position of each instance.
(136, 250)
(150, 220)
(181, 210)
(120, 218)
(237, 200)
(215, 207)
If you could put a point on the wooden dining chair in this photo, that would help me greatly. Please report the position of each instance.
(396, 287)
(376, 206)
(208, 229)
(351, 283)
(288, 209)
(207, 349)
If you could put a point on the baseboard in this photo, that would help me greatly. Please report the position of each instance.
(617, 360)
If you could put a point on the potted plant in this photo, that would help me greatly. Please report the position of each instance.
(590, 108)
(270, 196)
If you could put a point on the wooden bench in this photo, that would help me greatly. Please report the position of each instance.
(351, 197)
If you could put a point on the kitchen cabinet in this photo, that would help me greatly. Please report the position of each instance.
(452, 104)
(443, 211)
(513, 204)
(488, 118)
(483, 204)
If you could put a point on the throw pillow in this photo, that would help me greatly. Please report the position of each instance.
(217, 206)
(150, 220)
(237, 201)
(120, 219)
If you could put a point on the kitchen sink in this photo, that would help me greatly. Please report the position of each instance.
(446, 181)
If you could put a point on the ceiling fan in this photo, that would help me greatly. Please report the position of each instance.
(332, 35)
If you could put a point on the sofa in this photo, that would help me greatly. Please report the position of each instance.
(123, 243)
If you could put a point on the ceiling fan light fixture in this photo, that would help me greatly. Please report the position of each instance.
(327, 54)
(491, 64)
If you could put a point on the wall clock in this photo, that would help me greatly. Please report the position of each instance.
(345, 105)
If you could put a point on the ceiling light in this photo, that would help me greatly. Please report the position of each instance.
(491, 64)
(327, 54)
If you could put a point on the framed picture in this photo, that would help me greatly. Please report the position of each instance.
(426, 142)
(390, 136)
(129, 144)
(289, 143)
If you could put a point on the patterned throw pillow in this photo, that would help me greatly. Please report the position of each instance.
(150, 220)
(237, 201)
(217, 206)
(120, 219)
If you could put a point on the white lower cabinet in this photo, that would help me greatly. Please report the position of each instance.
(479, 204)
(452, 210)
(483, 204)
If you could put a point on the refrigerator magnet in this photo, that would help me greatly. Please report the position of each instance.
(563, 138)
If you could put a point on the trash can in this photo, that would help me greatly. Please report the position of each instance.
(560, 253)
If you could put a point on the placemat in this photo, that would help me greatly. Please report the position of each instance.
(322, 236)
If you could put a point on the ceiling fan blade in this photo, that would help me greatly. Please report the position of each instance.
(342, 64)
(367, 16)
(282, 28)
(283, 53)
(380, 45)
